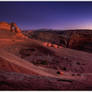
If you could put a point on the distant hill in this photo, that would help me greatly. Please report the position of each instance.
(80, 39)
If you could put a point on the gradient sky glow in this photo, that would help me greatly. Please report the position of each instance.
(50, 15)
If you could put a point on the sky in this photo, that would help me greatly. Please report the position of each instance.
(47, 15)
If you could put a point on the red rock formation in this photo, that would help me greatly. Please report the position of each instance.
(60, 47)
(78, 41)
(55, 46)
(4, 26)
(12, 27)
(45, 43)
(49, 45)
(15, 28)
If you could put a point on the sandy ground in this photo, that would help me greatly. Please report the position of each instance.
(11, 63)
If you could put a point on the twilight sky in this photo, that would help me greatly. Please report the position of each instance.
(50, 15)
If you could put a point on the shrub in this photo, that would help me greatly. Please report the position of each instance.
(43, 62)
(64, 69)
(78, 63)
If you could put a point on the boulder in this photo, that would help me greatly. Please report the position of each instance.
(49, 45)
(45, 43)
(55, 46)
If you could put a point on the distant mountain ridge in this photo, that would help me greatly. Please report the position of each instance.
(80, 39)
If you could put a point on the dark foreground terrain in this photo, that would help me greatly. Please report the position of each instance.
(18, 81)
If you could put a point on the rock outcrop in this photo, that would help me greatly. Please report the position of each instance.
(51, 45)
(80, 41)
(11, 28)
(14, 28)
(5, 26)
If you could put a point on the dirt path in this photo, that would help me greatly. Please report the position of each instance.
(36, 69)
(32, 68)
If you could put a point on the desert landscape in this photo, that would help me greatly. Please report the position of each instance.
(45, 46)
(29, 62)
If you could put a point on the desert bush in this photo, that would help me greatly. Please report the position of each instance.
(42, 62)
(64, 68)
(78, 63)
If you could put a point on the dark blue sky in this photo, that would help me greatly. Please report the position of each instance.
(50, 15)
